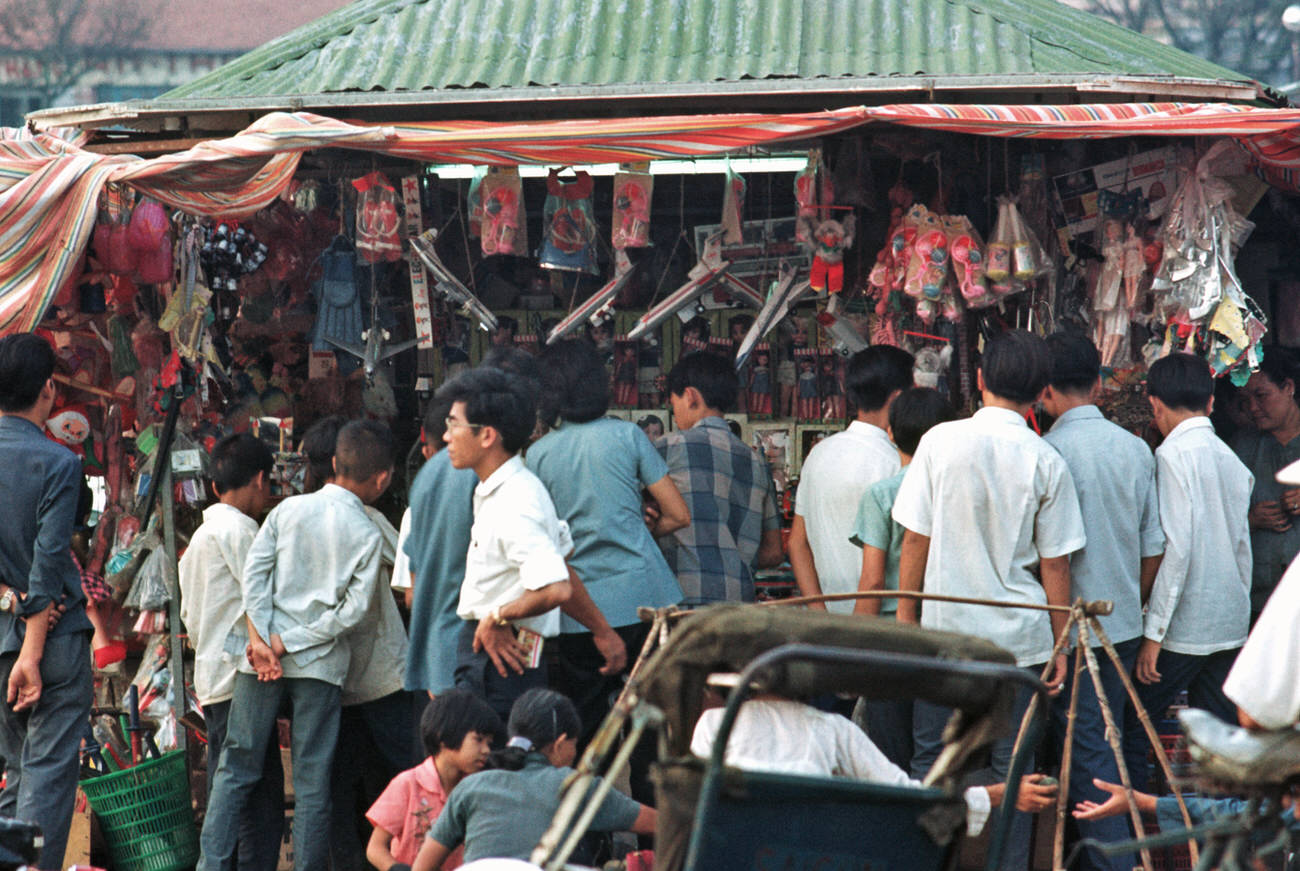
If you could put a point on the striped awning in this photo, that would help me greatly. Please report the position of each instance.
(49, 188)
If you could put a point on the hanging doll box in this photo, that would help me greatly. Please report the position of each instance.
(568, 224)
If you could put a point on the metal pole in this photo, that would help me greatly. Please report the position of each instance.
(176, 656)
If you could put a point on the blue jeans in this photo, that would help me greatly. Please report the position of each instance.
(928, 721)
(1201, 676)
(252, 720)
(261, 825)
(41, 746)
(1092, 756)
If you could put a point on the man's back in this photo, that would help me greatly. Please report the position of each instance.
(993, 498)
(1200, 602)
(729, 492)
(1114, 478)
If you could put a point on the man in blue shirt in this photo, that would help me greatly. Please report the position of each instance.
(45, 670)
(728, 489)
(1114, 476)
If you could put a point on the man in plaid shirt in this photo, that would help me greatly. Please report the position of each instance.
(734, 527)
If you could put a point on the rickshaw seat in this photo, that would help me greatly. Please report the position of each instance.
(1238, 758)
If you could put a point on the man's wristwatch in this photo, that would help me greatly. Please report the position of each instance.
(8, 600)
(494, 616)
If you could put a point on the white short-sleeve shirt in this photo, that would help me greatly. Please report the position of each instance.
(517, 543)
(1265, 680)
(994, 499)
(833, 479)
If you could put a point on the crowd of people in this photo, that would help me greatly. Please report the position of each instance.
(538, 525)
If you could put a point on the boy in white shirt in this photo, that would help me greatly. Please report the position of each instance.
(516, 577)
(212, 606)
(990, 512)
(1198, 613)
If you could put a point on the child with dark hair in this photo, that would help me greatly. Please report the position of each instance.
(318, 445)
(989, 511)
(503, 813)
(728, 489)
(457, 729)
(1198, 612)
(309, 578)
(515, 574)
(911, 414)
(837, 472)
(212, 607)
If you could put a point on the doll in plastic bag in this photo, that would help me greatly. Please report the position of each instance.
(569, 228)
(378, 225)
(632, 193)
(733, 209)
(503, 227)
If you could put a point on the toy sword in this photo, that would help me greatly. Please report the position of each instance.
(447, 284)
(597, 302)
(779, 302)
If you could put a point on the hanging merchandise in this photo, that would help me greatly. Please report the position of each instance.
(568, 225)
(1015, 256)
(338, 315)
(110, 240)
(150, 237)
(378, 226)
(474, 202)
(829, 239)
(1198, 295)
(633, 187)
(812, 192)
(929, 265)
(733, 208)
(503, 227)
(968, 261)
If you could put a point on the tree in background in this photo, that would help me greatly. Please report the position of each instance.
(1243, 35)
(65, 39)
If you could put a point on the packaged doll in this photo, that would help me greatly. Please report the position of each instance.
(758, 399)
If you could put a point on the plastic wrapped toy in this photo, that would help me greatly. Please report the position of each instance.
(569, 229)
(632, 194)
(503, 229)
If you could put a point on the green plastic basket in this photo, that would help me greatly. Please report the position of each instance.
(145, 815)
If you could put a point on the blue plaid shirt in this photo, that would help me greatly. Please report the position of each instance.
(732, 500)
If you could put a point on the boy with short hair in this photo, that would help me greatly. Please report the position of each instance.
(728, 489)
(838, 471)
(1198, 613)
(457, 729)
(911, 415)
(1115, 477)
(515, 571)
(309, 578)
(212, 607)
(984, 503)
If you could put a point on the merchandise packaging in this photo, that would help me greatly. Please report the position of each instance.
(568, 224)
(504, 230)
(633, 189)
(733, 208)
(378, 224)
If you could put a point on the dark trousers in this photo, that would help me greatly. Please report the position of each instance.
(41, 745)
(577, 675)
(476, 673)
(375, 745)
(928, 721)
(888, 723)
(1091, 755)
(1201, 676)
(315, 708)
(261, 825)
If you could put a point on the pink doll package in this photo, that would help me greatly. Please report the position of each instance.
(632, 193)
(503, 227)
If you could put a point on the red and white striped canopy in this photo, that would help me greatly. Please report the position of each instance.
(49, 188)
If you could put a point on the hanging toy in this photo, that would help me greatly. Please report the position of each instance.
(503, 228)
(378, 236)
(813, 191)
(150, 237)
(829, 238)
(569, 237)
(70, 427)
(632, 192)
(733, 209)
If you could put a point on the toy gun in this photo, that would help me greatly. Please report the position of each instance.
(447, 284)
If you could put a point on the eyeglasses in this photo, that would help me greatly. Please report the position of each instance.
(451, 423)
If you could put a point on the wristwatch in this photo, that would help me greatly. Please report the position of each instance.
(494, 615)
(8, 600)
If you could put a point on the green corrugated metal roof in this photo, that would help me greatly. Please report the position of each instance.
(412, 45)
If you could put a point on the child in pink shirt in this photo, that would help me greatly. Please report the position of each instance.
(457, 728)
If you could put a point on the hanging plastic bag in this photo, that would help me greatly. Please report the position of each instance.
(632, 194)
(474, 202)
(150, 237)
(378, 225)
(812, 190)
(968, 261)
(503, 227)
(733, 209)
(569, 228)
(149, 592)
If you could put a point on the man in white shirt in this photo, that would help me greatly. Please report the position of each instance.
(1198, 614)
(309, 579)
(516, 577)
(212, 607)
(836, 473)
(984, 503)
(1114, 475)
